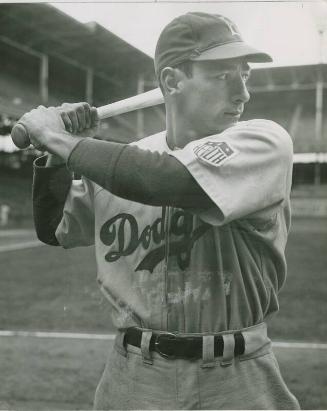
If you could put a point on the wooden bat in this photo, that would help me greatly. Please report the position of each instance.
(21, 139)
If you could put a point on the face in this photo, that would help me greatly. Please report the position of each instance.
(213, 97)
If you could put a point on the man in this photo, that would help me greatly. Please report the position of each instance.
(189, 227)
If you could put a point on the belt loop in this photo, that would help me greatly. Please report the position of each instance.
(120, 343)
(208, 351)
(229, 345)
(145, 347)
(255, 337)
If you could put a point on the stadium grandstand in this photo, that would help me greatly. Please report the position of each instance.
(47, 57)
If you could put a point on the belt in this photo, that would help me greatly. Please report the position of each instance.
(170, 345)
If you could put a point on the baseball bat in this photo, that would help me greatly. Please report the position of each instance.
(21, 139)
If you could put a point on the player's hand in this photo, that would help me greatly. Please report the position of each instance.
(48, 128)
(40, 123)
(80, 119)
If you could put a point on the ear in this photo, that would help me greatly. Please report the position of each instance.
(170, 79)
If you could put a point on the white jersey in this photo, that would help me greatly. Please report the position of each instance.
(194, 271)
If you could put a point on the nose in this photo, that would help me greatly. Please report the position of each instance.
(240, 93)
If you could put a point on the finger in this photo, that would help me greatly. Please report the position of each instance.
(74, 120)
(87, 111)
(80, 111)
(67, 121)
(95, 120)
(68, 116)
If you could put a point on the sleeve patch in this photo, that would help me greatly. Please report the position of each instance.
(214, 153)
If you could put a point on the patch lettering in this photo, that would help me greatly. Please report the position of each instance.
(214, 153)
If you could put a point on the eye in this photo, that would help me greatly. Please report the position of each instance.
(245, 76)
(222, 76)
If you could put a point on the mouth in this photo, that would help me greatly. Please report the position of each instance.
(233, 114)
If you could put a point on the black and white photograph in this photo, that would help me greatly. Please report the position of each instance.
(163, 205)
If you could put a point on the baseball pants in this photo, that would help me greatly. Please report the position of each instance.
(134, 378)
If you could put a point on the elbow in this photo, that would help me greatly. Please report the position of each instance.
(45, 228)
(46, 238)
(49, 241)
(46, 235)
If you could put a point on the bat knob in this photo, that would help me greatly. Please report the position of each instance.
(20, 136)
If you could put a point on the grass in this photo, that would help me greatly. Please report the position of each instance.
(16, 192)
(50, 374)
(51, 289)
(304, 371)
(303, 308)
(48, 288)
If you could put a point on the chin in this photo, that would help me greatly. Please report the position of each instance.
(214, 129)
(228, 124)
(221, 125)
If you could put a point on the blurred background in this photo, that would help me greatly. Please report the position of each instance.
(55, 327)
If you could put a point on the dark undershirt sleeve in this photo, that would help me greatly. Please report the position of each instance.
(49, 191)
(138, 175)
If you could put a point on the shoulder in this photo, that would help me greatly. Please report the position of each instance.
(256, 141)
(264, 130)
(155, 142)
(259, 126)
(259, 135)
(256, 129)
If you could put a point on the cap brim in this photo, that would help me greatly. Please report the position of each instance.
(234, 50)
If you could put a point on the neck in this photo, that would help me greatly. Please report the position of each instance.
(178, 132)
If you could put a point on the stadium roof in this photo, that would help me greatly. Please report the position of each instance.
(286, 29)
(45, 29)
(288, 78)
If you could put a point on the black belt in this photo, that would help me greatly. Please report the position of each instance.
(171, 345)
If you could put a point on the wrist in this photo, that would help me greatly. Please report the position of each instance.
(61, 145)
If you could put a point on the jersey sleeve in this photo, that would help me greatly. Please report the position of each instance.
(62, 207)
(49, 192)
(76, 227)
(244, 170)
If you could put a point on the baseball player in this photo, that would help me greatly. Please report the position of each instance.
(189, 226)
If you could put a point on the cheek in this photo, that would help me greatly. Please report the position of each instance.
(202, 99)
(214, 96)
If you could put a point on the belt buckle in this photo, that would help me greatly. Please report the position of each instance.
(169, 336)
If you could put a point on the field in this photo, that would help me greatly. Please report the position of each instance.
(49, 289)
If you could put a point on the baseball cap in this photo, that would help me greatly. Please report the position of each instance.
(200, 36)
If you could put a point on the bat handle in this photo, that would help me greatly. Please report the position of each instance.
(20, 136)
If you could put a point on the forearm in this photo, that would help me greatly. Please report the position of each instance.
(138, 175)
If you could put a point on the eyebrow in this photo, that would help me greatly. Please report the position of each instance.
(227, 66)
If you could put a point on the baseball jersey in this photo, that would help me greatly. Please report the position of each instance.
(196, 270)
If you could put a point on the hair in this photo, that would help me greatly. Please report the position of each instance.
(186, 67)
